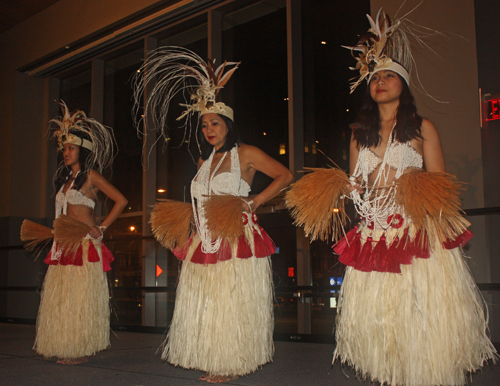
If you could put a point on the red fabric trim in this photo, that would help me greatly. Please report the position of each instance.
(461, 240)
(92, 256)
(244, 251)
(107, 258)
(181, 252)
(264, 246)
(384, 258)
(77, 259)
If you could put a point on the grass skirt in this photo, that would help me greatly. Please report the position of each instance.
(425, 326)
(73, 318)
(223, 319)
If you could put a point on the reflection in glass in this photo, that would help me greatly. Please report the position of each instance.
(75, 89)
(123, 239)
(329, 109)
(127, 167)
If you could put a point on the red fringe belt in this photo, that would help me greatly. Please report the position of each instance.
(375, 255)
(263, 245)
(77, 259)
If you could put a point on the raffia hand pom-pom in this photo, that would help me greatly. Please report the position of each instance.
(68, 233)
(224, 217)
(172, 223)
(315, 202)
(432, 200)
(33, 234)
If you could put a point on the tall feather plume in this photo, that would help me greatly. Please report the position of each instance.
(224, 217)
(386, 42)
(315, 202)
(172, 70)
(101, 137)
(172, 223)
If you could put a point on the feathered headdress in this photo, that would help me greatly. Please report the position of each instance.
(170, 70)
(78, 129)
(384, 47)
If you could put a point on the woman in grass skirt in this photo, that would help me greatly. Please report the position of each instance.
(409, 310)
(223, 318)
(73, 318)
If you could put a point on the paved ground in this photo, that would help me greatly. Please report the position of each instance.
(133, 361)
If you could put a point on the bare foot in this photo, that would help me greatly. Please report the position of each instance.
(220, 378)
(72, 361)
(204, 377)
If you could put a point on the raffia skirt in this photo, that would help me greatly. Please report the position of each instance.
(73, 318)
(425, 326)
(223, 319)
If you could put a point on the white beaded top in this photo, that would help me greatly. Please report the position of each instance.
(378, 200)
(204, 185)
(400, 154)
(73, 197)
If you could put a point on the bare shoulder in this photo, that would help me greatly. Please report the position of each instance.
(428, 129)
(244, 148)
(94, 177)
(249, 153)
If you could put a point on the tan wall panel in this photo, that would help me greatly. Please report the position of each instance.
(451, 77)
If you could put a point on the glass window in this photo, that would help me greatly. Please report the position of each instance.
(75, 88)
(258, 91)
(329, 109)
(118, 102)
(178, 155)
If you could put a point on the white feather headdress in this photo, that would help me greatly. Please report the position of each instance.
(170, 70)
(386, 46)
(80, 130)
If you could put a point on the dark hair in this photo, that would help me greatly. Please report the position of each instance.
(232, 139)
(408, 122)
(64, 172)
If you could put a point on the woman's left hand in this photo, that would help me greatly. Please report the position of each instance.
(247, 204)
(95, 232)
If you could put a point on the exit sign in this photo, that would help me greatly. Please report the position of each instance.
(492, 109)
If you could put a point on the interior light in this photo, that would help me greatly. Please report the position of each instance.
(161, 190)
(132, 228)
(323, 42)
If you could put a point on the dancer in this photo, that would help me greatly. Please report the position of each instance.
(409, 311)
(223, 318)
(73, 318)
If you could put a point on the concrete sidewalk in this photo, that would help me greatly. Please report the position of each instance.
(132, 361)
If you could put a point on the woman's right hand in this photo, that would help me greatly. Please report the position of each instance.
(353, 186)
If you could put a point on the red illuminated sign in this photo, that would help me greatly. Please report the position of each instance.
(492, 109)
(291, 271)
